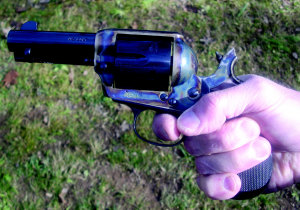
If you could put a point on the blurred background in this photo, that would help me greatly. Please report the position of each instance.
(64, 146)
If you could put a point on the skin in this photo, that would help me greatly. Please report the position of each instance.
(236, 128)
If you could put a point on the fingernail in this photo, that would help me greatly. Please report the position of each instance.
(188, 121)
(229, 183)
(261, 149)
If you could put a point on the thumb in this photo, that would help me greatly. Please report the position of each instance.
(255, 94)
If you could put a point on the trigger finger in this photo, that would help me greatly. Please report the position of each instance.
(165, 127)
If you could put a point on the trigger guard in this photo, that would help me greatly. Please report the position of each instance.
(136, 113)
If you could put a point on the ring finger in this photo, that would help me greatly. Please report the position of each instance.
(235, 161)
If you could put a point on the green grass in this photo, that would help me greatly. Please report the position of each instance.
(56, 135)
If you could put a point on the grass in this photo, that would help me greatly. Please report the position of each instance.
(56, 135)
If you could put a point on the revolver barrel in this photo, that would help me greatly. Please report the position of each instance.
(52, 47)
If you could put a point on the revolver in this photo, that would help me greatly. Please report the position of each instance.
(143, 69)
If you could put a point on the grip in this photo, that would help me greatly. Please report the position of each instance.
(255, 179)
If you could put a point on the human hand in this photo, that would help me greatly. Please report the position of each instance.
(234, 129)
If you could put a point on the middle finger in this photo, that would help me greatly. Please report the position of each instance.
(232, 135)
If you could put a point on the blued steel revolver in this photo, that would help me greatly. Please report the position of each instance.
(143, 69)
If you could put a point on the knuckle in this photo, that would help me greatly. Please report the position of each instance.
(250, 128)
(211, 100)
(239, 162)
(194, 145)
(261, 84)
(189, 146)
(267, 92)
(227, 140)
(204, 166)
(261, 87)
(211, 106)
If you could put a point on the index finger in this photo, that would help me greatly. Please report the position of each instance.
(212, 110)
(165, 127)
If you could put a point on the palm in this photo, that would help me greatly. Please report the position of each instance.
(286, 170)
(283, 135)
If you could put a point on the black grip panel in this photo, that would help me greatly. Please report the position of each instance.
(255, 180)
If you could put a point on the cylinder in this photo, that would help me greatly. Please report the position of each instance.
(143, 62)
